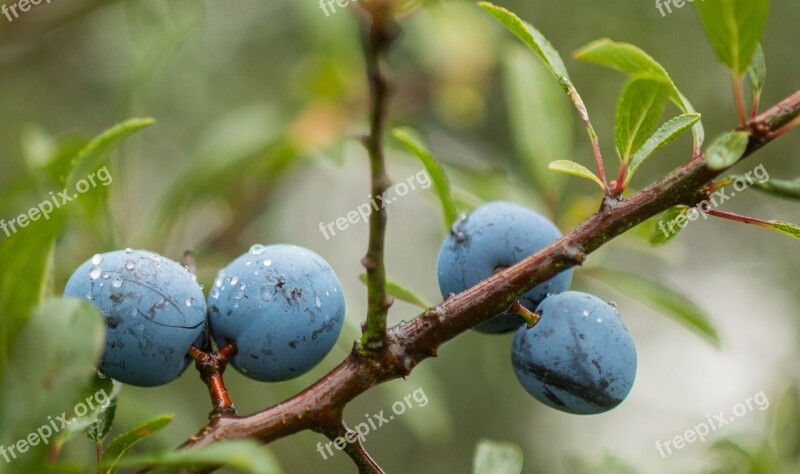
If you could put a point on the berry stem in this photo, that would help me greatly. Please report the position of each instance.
(211, 366)
(738, 218)
(529, 316)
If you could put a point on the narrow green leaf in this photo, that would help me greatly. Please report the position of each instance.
(726, 150)
(575, 169)
(401, 293)
(634, 62)
(791, 230)
(246, 456)
(661, 138)
(638, 113)
(663, 299)
(97, 422)
(53, 360)
(540, 119)
(786, 424)
(95, 152)
(781, 188)
(734, 29)
(412, 141)
(123, 443)
(546, 52)
(665, 227)
(495, 457)
(757, 72)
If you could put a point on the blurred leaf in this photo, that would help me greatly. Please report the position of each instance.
(542, 47)
(734, 29)
(119, 447)
(53, 360)
(638, 112)
(786, 424)
(412, 141)
(540, 120)
(26, 271)
(634, 62)
(609, 465)
(246, 456)
(428, 417)
(791, 230)
(757, 72)
(494, 457)
(776, 187)
(38, 147)
(95, 152)
(401, 293)
(575, 169)
(726, 150)
(665, 228)
(661, 138)
(663, 299)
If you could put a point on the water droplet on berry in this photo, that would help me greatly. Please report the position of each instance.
(267, 263)
(234, 280)
(117, 282)
(97, 259)
(130, 265)
(95, 273)
(257, 249)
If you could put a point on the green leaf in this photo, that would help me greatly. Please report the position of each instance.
(53, 360)
(123, 443)
(786, 424)
(734, 28)
(757, 72)
(98, 421)
(665, 228)
(791, 230)
(412, 141)
(638, 113)
(663, 299)
(246, 456)
(546, 52)
(575, 169)
(494, 457)
(27, 258)
(726, 150)
(401, 293)
(661, 138)
(634, 62)
(95, 152)
(781, 188)
(539, 118)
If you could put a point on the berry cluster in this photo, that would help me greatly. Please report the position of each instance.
(578, 357)
(282, 306)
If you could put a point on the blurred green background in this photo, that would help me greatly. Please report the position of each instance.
(258, 105)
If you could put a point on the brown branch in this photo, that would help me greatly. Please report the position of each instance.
(352, 446)
(410, 343)
(381, 33)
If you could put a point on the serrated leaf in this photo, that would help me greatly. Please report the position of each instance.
(726, 150)
(663, 299)
(123, 443)
(634, 62)
(791, 230)
(246, 456)
(401, 293)
(638, 112)
(546, 52)
(575, 169)
(734, 28)
(539, 118)
(95, 152)
(412, 141)
(665, 228)
(98, 421)
(53, 359)
(495, 457)
(787, 189)
(757, 72)
(665, 135)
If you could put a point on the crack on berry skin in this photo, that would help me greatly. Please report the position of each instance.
(594, 395)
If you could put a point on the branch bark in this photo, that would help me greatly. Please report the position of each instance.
(410, 343)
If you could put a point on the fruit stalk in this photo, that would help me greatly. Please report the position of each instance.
(324, 401)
